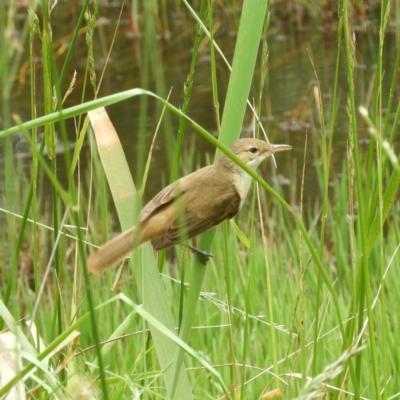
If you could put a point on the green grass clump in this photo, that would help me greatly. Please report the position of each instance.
(304, 306)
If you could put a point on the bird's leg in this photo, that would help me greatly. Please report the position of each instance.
(204, 256)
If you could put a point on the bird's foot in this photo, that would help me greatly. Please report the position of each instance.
(204, 256)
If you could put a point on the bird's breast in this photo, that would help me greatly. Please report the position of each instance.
(242, 183)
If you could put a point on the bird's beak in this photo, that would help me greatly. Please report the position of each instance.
(276, 148)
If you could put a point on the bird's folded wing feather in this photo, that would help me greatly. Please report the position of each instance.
(197, 221)
(170, 193)
(173, 191)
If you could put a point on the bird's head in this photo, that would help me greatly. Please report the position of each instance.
(253, 151)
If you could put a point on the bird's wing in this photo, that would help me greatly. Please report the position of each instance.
(173, 191)
(166, 196)
(200, 219)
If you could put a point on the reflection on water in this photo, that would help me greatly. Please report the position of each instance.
(162, 61)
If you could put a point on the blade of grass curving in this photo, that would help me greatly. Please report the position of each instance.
(77, 110)
(126, 201)
(108, 100)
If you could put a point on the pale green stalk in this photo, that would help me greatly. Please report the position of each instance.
(365, 287)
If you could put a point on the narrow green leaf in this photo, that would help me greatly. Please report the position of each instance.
(242, 237)
(149, 283)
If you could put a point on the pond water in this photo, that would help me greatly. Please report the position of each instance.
(161, 60)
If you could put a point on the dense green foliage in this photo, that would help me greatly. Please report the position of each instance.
(310, 307)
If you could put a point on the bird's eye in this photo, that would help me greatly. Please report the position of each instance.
(253, 150)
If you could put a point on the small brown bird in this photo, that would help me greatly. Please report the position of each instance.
(191, 205)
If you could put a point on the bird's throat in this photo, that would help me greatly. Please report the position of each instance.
(242, 184)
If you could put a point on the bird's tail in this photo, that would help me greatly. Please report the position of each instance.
(114, 251)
